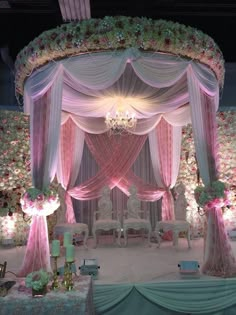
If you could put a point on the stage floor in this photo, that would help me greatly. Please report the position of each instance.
(135, 263)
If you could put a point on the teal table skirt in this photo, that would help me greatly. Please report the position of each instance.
(208, 297)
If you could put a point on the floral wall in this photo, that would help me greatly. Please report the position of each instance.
(15, 176)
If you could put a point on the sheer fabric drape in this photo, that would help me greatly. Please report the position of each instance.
(69, 160)
(165, 144)
(106, 150)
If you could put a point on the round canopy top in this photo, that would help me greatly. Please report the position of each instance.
(115, 33)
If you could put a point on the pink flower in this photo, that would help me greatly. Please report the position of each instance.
(209, 205)
(40, 197)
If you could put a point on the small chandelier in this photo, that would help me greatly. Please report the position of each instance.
(121, 123)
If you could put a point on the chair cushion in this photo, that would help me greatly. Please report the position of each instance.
(106, 224)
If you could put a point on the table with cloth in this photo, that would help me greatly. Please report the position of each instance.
(78, 301)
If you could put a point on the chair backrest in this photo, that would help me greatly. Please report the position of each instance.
(61, 211)
(133, 204)
(180, 203)
(105, 204)
(3, 268)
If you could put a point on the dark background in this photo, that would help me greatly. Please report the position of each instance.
(25, 19)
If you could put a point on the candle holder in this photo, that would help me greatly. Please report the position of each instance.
(55, 283)
(67, 279)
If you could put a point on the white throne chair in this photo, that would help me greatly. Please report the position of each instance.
(105, 219)
(179, 224)
(132, 216)
(61, 226)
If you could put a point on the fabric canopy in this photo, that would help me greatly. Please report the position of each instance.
(149, 85)
(164, 91)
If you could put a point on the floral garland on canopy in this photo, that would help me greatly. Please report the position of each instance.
(112, 33)
(215, 195)
(41, 203)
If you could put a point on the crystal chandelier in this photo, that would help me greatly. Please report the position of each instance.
(121, 123)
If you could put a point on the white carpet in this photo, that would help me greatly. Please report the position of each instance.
(135, 263)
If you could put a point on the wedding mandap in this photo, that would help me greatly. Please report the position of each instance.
(166, 74)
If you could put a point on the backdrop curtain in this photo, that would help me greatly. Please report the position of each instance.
(107, 149)
(115, 163)
(142, 167)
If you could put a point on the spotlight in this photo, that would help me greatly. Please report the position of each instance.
(89, 267)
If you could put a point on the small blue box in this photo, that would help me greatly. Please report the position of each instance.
(188, 266)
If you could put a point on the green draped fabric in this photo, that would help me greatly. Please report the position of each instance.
(211, 296)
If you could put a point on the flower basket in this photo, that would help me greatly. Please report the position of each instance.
(37, 202)
(215, 195)
(38, 281)
(40, 292)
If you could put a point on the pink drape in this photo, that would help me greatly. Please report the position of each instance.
(165, 144)
(115, 156)
(69, 162)
(164, 141)
(37, 253)
(219, 259)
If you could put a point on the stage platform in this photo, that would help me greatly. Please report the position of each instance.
(138, 279)
(135, 263)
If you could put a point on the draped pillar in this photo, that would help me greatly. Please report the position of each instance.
(218, 258)
(45, 129)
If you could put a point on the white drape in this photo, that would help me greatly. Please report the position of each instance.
(149, 85)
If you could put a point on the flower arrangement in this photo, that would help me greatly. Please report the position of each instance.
(10, 201)
(214, 196)
(37, 202)
(37, 280)
(119, 32)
